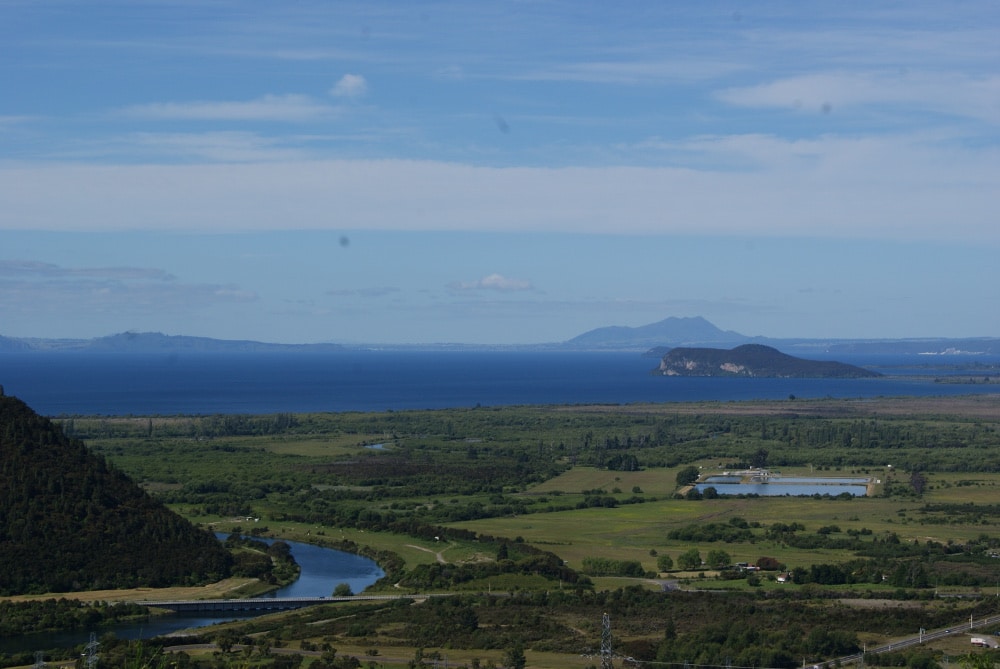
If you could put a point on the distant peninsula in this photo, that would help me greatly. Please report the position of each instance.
(753, 360)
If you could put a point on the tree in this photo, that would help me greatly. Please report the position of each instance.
(664, 562)
(226, 639)
(689, 559)
(759, 459)
(718, 558)
(342, 590)
(514, 657)
(688, 475)
(977, 661)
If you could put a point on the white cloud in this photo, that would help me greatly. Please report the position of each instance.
(918, 187)
(369, 292)
(289, 108)
(35, 270)
(962, 96)
(216, 147)
(29, 287)
(493, 281)
(674, 69)
(350, 86)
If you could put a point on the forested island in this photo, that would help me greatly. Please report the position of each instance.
(753, 360)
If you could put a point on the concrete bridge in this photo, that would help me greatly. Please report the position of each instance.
(260, 603)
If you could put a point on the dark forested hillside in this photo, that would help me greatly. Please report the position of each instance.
(70, 522)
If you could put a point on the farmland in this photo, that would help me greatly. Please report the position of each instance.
(529, 499)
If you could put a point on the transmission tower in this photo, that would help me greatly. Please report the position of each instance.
(90, 652)
(606, 662)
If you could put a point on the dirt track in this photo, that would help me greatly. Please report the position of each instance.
(211, 591)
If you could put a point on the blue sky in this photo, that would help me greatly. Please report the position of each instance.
(498, 172)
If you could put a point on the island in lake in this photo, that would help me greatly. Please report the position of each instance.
(753, 360)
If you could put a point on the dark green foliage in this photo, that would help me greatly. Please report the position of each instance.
(688, 475)
(271, 563)
(598, 566)
(677, 627)
(514, 657)
(49, 615)
(70, 522)
(533, 562)
(700, 533)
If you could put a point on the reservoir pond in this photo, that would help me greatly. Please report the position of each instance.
(778, 486)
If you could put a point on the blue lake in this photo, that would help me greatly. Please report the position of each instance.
(197, 384)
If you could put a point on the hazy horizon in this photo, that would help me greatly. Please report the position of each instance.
(498, 173)
(540, 344)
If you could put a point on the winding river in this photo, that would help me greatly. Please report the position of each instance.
(322, 570)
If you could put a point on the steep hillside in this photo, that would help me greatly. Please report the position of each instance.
(68, 521)
(752, 360)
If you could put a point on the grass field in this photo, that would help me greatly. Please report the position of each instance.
(631, 531)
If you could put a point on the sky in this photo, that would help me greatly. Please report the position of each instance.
(510, 172)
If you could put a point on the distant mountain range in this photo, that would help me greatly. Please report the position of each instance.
(657, 338)
(155, 342)
(654, 339)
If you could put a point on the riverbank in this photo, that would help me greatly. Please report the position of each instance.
(230, 587)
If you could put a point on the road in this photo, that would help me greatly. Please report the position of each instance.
(916, 640)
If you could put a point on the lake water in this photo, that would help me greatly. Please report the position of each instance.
(62, 384)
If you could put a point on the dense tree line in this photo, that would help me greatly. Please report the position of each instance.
(49, 615)
(599, 566)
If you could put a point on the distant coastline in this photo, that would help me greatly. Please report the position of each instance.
(652, 340)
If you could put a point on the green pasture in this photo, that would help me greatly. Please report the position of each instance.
(631, 531)
(332, 446)
(311, 476)
(656, 482)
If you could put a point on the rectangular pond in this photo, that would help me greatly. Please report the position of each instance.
(777, 486)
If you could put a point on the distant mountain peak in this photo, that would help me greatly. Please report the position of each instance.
(671, 331)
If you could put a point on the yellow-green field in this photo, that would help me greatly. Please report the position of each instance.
(630, 532)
